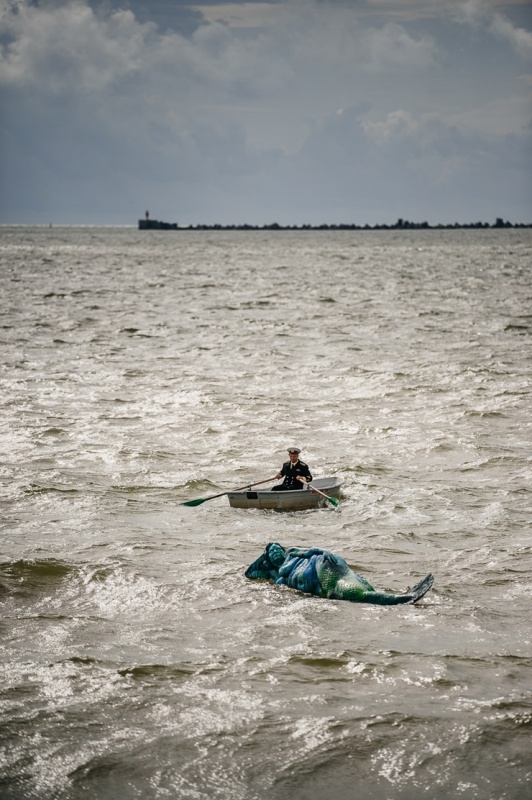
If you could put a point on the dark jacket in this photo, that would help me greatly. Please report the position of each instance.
(290, 472)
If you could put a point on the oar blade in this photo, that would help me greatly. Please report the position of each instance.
(196, 502)
(332, 500)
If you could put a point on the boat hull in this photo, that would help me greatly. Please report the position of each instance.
(294, 500)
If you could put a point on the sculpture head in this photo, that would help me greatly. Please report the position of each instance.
(266, 567)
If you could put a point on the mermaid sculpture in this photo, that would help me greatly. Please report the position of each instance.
(324, 574)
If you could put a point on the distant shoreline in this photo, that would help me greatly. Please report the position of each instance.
(400, 225)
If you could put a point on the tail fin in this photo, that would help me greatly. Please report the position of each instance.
(421, 588)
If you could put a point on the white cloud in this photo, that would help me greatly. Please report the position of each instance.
(478, 13)
(509, 115)
(62, 47)
(519, 38)
(421, 166)
(471, 11)
(393, 48)
(397, 124)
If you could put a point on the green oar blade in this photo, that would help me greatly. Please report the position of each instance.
(197, 502)
(332, 500)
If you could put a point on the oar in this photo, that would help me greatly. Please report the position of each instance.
(201, 500)
(332, 500)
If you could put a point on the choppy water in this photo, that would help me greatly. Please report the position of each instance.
(141, 369)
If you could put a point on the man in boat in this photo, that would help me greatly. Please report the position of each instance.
(295, 472)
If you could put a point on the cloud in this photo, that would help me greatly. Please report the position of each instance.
(519, 38)
(62, 47)
(107, 111)
(97, 59)
(421, 166)
(398, 124)
(392, 47)
(478, 13)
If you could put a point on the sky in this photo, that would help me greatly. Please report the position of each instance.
(282, 111)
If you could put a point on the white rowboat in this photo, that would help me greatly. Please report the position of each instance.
(291, 500)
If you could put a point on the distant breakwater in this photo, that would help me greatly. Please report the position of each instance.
(156, 225)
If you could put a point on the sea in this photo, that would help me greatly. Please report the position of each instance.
(142, 369)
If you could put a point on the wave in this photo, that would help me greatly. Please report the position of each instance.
(26, 578)
(98, 590)
(35, 489)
